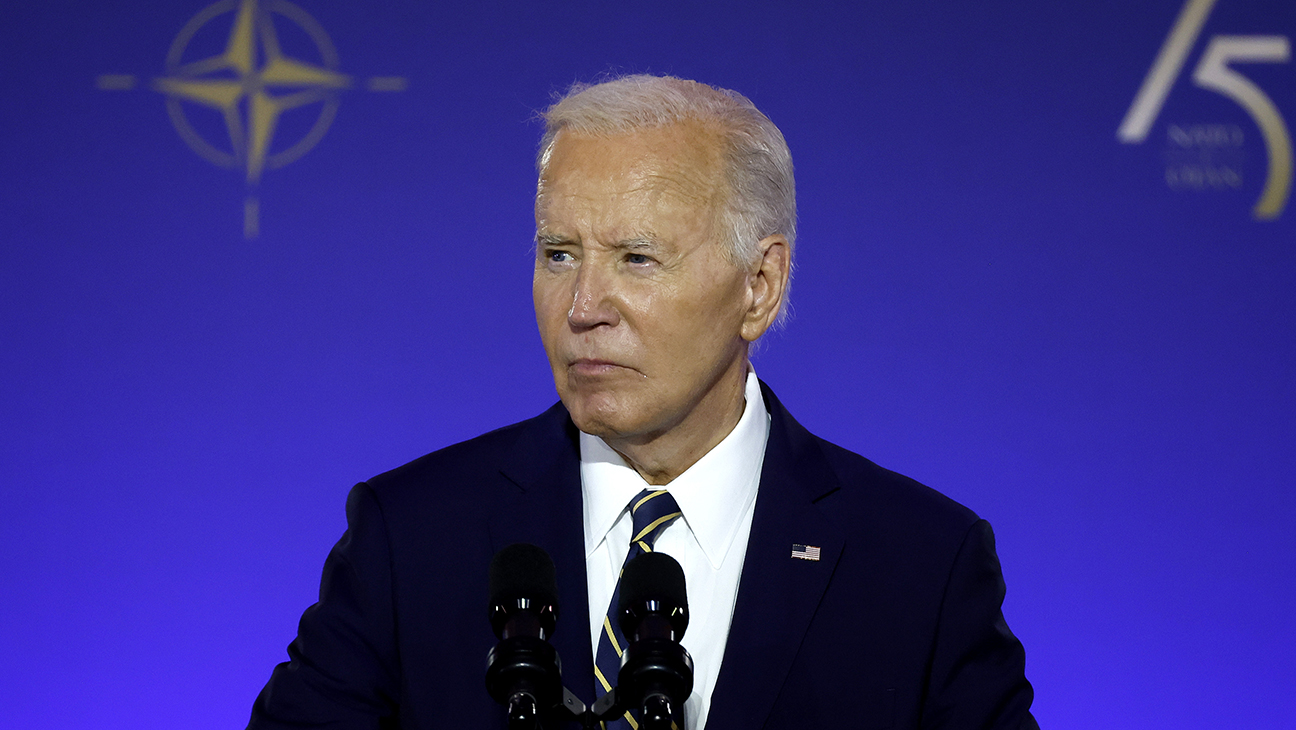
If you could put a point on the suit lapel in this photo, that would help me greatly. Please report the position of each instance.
(777, 594)
(543, 507)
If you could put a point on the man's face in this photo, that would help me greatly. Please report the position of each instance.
(639, 310)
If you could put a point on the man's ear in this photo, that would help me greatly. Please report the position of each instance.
(768, 282)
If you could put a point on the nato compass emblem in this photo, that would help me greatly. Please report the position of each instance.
(251, 83)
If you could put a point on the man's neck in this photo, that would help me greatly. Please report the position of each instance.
(661, 457)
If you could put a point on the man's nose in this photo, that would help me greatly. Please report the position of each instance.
(593, 301)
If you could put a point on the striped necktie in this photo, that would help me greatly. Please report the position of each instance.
(651, 511)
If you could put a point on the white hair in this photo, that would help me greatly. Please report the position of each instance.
(761, 197)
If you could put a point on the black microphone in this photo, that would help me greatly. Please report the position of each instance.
(656, 672)
(523, 672)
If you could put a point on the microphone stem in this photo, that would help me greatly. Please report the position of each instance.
(522, 712)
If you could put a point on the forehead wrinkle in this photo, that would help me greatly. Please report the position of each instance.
(649, 186)
(680, 174)
(615, 201)
(693, 184)
(691, 168)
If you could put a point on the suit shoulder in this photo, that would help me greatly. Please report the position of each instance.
(859, 494)
(895, 496)
(472, 461)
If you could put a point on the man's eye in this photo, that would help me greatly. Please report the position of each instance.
(637, 258)
(559, 257)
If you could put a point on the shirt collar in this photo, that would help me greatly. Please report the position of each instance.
(713, 493)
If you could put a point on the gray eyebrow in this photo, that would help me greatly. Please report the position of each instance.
(637, 243)
(549, 239)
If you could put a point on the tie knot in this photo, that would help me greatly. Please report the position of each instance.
(651, 511)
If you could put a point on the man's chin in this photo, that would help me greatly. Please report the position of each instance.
(594, 423)
(599, 414)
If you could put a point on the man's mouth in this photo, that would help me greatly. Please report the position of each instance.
(592, 367)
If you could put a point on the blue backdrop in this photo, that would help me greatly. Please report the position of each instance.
(254, 253)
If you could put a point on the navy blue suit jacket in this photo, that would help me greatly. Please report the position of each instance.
(898, 625)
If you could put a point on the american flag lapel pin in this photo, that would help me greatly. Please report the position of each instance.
(805, 552)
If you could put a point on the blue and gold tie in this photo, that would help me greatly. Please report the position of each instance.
(651, 511)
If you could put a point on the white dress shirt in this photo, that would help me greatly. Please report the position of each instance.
(717, 496)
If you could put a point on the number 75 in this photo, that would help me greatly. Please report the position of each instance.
(1214, 73)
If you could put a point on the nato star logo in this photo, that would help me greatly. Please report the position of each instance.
(251, 83)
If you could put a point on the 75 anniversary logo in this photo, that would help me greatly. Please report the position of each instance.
(1215, 72)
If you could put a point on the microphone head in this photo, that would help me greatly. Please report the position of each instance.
(522, 579)
(653, 583)
(523, 571)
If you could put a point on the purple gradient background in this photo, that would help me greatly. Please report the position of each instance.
(993, 296)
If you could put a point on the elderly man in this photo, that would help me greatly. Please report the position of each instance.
(824, 591)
